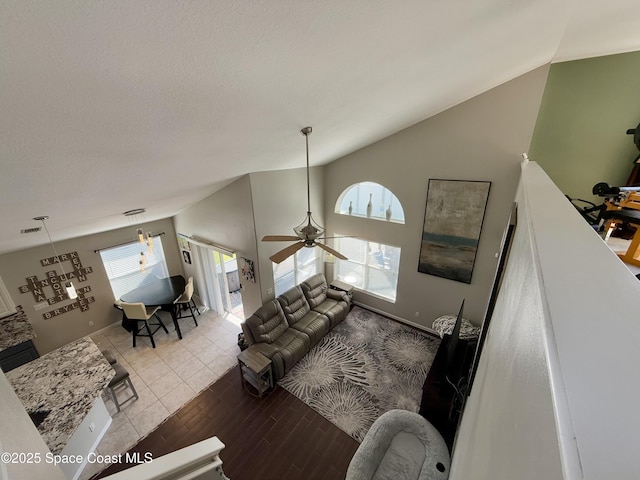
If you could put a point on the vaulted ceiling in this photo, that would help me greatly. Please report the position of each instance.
(110, 106)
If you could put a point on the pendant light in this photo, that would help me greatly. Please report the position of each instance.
(137, 214)
(68, 285)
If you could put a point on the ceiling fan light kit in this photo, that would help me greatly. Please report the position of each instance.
(308, 232)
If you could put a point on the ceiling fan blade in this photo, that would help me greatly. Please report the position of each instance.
(286, 252)
(339, 236)
(332, 251)
(279, 238)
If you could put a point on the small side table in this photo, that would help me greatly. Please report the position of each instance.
(255, 369)
(343, 287)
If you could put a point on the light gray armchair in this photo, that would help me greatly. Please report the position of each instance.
(401, 445)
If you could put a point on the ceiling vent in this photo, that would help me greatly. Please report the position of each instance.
(31, 230)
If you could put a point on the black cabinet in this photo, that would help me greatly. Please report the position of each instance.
(18, 355)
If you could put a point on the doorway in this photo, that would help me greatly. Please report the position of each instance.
(227, 271)
(217, 279)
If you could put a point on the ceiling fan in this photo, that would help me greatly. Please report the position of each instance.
(308, 232)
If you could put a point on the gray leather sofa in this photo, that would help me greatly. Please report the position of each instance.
(286, 328)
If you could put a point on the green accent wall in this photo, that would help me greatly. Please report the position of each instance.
(580, 135)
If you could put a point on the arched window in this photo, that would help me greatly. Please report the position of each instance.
(370, 200)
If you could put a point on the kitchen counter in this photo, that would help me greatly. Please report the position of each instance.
(15, 329)
(59, 389)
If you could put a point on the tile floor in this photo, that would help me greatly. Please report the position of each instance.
(166, 377)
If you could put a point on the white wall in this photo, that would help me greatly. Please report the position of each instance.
(508, 425)
(555, 394)
(481, 139)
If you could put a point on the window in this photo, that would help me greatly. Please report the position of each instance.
(355, 201)
(122, 265)
(295, 269)
(371, 266)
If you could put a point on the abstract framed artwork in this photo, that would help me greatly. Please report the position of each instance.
(247, 270)
(453, 219)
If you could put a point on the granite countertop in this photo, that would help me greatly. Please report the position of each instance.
(65, 383)
(15, 329)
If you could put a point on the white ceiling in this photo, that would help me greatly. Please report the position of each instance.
(110, 106)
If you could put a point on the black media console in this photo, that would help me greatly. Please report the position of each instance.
(442, 402)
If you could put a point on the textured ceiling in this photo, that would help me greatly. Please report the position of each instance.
(109, 106)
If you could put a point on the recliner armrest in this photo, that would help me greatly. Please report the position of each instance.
(265, 349)
(338, 295)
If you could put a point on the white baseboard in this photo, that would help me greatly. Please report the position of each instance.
(398, 319)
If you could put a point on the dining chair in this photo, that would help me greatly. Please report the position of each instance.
(185, 302)
(138, 312)
(193, 302)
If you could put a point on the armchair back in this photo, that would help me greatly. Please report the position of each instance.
(315, 289)
(294, 304)
(267, 324)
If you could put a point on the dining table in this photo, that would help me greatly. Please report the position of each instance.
(163, 293)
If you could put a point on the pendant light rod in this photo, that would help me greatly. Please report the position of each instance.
(53, 246)
(71, 290)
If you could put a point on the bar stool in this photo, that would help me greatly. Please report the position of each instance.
(109, 356)
(185, 301)
(121, 381)
(137, 312)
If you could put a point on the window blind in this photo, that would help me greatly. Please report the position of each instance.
(122, 264)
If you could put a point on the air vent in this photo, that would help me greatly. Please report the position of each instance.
(31, 230)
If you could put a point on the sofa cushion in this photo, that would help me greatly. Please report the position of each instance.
(268, 323)
(284, 352)
(315, 289)
(315, 325)
(335, 311)
(330, 303)
(404, 458)
(294, 304)
(300, 316)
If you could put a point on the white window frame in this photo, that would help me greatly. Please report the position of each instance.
(367, 266)
(124, 261)
(298, 271)
(383, 201)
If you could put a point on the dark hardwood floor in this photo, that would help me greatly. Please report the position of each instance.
(274, 437)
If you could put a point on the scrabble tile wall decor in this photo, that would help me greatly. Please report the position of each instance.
(51, 288)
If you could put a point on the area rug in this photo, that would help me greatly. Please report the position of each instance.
(365, 366)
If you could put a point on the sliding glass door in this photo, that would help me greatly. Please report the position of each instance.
(217, 279)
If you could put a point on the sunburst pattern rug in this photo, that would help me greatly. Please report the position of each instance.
(364, 367)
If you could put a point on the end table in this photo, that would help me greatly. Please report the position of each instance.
(255, 369)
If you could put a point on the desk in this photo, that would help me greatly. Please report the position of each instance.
(161, 293)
